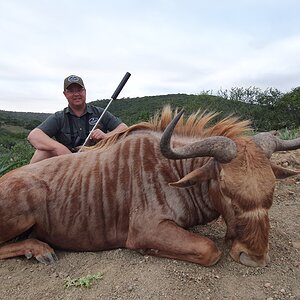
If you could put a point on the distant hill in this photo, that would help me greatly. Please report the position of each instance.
(134, 110)
(28, 120)
(25, 116)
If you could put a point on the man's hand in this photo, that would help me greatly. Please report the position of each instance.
(98, 135)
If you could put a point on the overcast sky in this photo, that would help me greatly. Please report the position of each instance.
(168, 46)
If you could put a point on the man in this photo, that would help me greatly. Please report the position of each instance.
(71, 126)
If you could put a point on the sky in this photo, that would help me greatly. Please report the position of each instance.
(168, 46)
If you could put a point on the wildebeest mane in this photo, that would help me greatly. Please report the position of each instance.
(196, 125)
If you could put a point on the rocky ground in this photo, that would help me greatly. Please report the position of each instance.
(128, 275)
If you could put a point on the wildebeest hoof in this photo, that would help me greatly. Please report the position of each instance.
(248, 261)
(28, 255)
(47, 258)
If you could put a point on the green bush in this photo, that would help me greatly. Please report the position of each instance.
(16, 156)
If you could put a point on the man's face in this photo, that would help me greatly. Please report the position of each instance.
(75, 94)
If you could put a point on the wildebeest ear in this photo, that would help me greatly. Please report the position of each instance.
(208, 171)
(281, 173)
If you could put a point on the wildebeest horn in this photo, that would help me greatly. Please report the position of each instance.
(221, 148)
(269, 143)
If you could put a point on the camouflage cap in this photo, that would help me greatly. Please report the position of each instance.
(73, 79)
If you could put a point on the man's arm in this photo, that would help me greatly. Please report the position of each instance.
(41, 141)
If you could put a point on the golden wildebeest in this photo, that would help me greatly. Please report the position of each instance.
(142, 189)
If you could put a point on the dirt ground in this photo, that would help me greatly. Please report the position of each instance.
(129, 275)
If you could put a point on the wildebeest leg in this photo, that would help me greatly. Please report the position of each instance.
(175, 242)
(20, 198)
(13, 226)
(30, 247)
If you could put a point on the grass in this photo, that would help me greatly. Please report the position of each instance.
(14, 155)
(288, 134)
(15, 129)
(85, 281)
(5, 166)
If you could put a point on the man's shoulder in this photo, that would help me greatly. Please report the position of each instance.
(61, 113)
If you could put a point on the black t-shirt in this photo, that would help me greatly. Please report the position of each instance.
(71, 130)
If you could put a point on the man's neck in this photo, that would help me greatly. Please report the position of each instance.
(78, 111)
